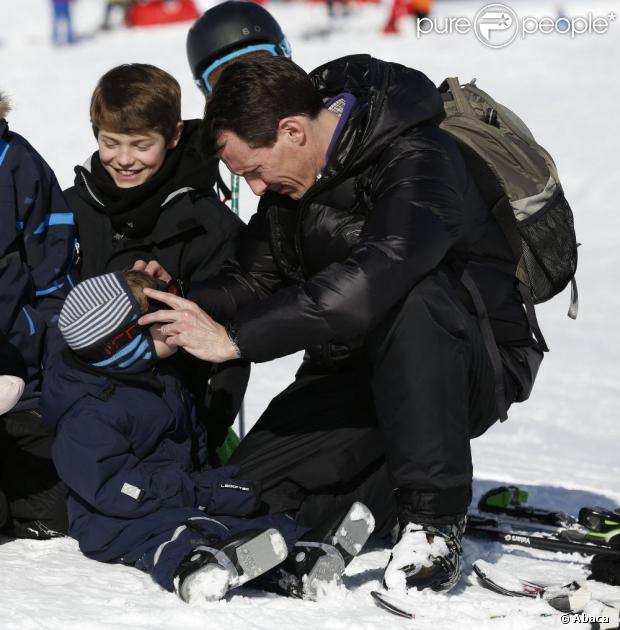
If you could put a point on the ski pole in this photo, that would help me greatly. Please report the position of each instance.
(484, 528)
(234, 205)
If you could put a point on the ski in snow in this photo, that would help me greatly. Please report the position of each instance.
(566, 598)
(396, 605)
(570, 599)
(511, 534)
(596, 524)
(403, 606)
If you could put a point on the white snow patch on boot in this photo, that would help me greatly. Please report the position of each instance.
(279, 544)
(360, 512)
(209, 583)
(412, 549)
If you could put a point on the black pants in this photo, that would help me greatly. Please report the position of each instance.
(398, 417)
(32, 501)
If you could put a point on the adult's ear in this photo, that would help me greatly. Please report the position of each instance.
(293, 129)
(177, 135)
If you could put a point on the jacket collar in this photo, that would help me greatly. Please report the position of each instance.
(169, 224)
(390, 99)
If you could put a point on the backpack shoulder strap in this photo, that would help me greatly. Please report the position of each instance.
(489, 342)
(505, 217)
(452, 85)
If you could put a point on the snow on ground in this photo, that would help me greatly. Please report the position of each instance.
(562, 445)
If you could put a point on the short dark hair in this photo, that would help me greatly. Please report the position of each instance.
(252, 96)
(134, 98)
(137, 281)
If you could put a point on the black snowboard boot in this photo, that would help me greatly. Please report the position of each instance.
(321, 556)
(426, 556)
(211, 570)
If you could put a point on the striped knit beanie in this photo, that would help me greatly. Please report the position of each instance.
(99, 322)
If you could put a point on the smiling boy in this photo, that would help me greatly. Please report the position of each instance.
(136, 118)
(146, 194)
(131, 159)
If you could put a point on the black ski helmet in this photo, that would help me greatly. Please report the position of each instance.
(227, 27)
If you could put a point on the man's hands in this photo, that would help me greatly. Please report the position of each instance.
(153, 268)
(189, 327)
(186, 325)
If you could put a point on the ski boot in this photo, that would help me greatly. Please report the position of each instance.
(211, 570)
(426, 556)
(321, 556)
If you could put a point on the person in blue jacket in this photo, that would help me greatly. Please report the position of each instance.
(134, 460)
(62, 24)
(37, 243)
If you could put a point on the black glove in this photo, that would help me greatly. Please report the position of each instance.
(606, 568)
(220, 492)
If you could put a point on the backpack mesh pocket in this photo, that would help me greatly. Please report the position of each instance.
(549, 248)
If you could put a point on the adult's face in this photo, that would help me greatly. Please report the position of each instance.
(289, 167)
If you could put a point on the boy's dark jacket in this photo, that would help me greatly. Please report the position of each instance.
(191, 234)
(37, 242)
(131, 455)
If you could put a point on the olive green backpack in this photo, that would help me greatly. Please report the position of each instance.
(519, 181)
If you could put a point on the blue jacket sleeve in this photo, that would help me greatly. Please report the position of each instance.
(37, 243)
(96, 461)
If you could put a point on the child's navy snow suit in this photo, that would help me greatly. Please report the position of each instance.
(134, 462)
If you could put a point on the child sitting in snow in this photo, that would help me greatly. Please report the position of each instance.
(128, 447)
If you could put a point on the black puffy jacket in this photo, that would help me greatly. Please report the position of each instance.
(395, 201)
(192, 237)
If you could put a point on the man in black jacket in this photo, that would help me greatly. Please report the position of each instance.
(368, 221)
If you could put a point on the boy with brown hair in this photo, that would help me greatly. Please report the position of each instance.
(146, 194)
(139, 490)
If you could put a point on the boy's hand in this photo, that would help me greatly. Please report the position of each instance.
(153, 268)
(189, 327)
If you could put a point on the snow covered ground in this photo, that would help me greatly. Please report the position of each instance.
(562, 444)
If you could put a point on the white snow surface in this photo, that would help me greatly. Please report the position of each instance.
(561, 445)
